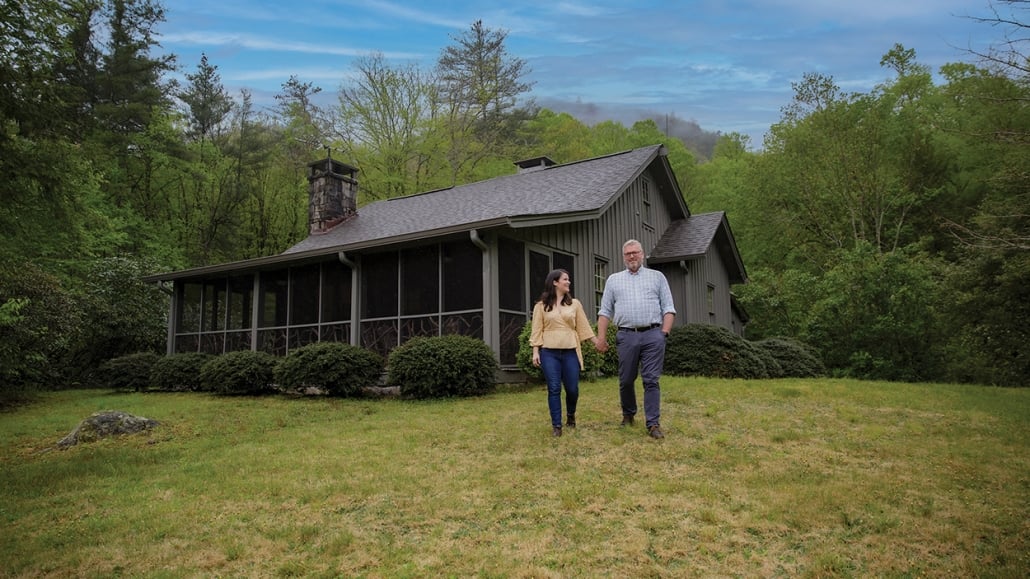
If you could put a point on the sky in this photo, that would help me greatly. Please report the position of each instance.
(727, 66)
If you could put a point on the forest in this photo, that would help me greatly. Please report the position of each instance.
(887, 229)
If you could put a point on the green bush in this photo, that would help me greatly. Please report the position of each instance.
(129, 372)
(240, 372)
(707, 350)
(442, 366)
(178, 372)
(40, 322)
(594, 362)
(795, 358)
(334, 367)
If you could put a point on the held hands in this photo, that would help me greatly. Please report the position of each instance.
(601, 344)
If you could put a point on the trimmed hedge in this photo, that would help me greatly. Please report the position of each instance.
(178, 372)
(129, 372)
(442, 366)
(335, 368)
(707, 350)
(240, 372)
(796, 359)
(594, 362)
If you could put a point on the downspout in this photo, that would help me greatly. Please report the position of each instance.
(474, 235)
(355, 284)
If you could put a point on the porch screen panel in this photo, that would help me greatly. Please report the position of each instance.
(304, 295)
(336, 292)
(241, 302)
(189, 309)
(511, 274)
(420, 281)
(462, 276)
(379, 286)
(539, 267)
(214, 305)
(272, 299)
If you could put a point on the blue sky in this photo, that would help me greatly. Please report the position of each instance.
(726, 65)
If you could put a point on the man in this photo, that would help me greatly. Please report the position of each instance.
(638, 300)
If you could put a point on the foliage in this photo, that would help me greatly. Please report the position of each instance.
(794, 359)
(239, 372)
(714, 351)
(178, 372)
(124, 315)
(129, 372)
(39, 325)
(334, 367)
(442, 366)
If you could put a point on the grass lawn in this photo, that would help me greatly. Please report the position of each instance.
(754, 478)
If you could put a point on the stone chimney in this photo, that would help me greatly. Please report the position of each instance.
(332, 194)
(534, 164)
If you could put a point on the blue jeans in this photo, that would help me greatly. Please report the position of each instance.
(560, 366)
(643, 353)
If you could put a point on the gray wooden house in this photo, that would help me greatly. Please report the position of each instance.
(469, 259)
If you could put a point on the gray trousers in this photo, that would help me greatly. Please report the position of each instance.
(641, 353)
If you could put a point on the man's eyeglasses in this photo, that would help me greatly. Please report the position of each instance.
(629, 253)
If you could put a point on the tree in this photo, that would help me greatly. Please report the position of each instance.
(385, 126)
(480, 84)
(206, 100)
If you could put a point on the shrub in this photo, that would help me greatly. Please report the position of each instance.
(594, 362)
(707, 350)
(178, 372)
(40, 321)
(441, 366)
(240, 372)
(334, 367)
(129, 372)
(796, 359)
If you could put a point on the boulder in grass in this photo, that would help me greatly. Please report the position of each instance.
(104, 424)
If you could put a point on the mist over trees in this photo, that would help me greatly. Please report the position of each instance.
(888, 229)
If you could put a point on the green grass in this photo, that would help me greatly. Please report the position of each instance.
(754, 478)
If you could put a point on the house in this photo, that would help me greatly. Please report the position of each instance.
(468, 259)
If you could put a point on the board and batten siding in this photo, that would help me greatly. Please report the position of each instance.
(602, 238)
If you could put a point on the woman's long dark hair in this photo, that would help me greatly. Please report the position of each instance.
(550, 296)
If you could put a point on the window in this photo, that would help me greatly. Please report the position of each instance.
(710, 301)
(645, 192)
(600, 277)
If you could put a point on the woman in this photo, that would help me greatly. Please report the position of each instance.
(559, 325)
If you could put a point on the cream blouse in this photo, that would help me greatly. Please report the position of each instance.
(562, 327)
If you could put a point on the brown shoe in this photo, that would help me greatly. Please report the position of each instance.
(627, 420)
(571, 421)
(557, 431)
(655, 431)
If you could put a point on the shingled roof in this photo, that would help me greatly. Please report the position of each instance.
(557, 194)
(573, 191)
(690, 238)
